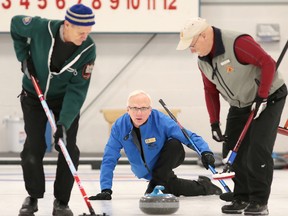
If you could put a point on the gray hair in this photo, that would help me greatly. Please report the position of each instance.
(138, 92)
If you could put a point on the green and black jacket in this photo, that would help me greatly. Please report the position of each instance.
(35, 36)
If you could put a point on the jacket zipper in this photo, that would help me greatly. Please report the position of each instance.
(140, 147)
(222, 83)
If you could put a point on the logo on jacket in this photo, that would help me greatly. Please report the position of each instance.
(229, 68)
(26, 20)
(87, 70)
(150, 140)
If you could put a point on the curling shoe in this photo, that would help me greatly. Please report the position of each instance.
(150, 187)
(228, 197)
(256, 208)
(29, 206)
(210, 188)
(236, 207)
(61, 209)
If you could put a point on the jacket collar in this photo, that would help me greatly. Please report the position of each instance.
(217, 47)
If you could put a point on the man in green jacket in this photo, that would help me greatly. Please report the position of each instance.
(60, 54)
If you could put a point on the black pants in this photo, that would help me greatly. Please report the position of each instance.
(254, 163)
(35, 147)
(172, 155)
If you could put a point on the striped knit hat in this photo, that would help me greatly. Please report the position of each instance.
(80, 15)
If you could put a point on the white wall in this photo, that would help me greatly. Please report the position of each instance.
(159, 69)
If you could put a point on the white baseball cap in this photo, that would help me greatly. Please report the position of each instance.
(192, 27)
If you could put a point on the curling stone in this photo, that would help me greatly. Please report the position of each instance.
(158, 203)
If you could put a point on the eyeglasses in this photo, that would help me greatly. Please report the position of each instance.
(194, 44)
(136, 109)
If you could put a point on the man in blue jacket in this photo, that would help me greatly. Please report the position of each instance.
(152, 142)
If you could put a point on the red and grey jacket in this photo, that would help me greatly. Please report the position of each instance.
(239, 69)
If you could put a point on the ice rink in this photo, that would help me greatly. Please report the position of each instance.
(127, 190)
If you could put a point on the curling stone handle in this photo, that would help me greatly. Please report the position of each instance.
(158, 190)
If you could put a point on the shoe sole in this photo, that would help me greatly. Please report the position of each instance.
(28, 214)
(55, 213)
(217, 190)
(233, 212)
(257, 213)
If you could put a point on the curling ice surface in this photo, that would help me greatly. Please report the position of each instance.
(127, 190)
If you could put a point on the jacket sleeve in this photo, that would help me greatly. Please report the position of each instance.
(110, 159)
(212, 100)
(174, 131)
(22, 29)
(197, 141)
(248, 51)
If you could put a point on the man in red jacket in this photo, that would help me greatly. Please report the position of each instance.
(235, 66)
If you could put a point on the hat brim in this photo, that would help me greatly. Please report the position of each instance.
(184, 44)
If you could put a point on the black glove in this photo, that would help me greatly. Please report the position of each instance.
(60, 133)
(217, 133)
(104, 195)
(259, 105)
(27, 67)
(207, 159)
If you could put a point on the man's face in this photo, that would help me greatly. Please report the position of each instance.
(139, 109)
(76, 34)
(200, 45)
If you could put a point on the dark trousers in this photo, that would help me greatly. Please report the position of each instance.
(35, 147)
(254, 163)
(172, 155)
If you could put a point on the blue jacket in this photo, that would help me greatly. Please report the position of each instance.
(154, 133)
